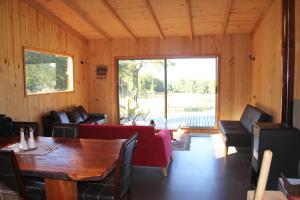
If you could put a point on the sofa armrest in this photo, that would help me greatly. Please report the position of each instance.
(98, 116)
(163, 144)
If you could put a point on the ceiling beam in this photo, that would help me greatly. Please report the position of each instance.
(226, 17)
(189, 17)
(118, 18)
(150, 8)
(71, 4)
(54, 18)
(262, 16)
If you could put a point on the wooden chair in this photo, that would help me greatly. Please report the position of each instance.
(116, 185)
(260, 192)
(11, 181)
(65, 130)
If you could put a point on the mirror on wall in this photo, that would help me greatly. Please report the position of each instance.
(47, 72)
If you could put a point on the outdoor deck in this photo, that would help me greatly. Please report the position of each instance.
(198, 122)
(192, 122)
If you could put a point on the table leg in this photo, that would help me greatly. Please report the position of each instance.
(60, 189)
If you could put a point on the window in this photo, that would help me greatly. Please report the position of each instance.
(47, 72)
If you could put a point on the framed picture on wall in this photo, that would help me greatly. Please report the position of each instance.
(101, 71)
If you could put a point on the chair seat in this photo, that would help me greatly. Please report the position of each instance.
(235, 132)
(92, 191)
(240, 137)
(35, 190)
(236, 125)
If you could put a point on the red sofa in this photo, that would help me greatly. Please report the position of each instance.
(153, 148)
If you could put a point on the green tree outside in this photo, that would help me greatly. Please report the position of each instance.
(45, 72)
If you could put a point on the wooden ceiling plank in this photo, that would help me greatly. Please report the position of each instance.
(118, 17)
(262, 16)
(150, 8)
(226, 17)
(189, 17)
(71, 4)
(54, 18)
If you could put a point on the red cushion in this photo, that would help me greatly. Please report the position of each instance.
(152, 149)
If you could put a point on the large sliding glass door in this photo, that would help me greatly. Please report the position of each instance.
(179, 92)
(141, 90)
(192, 92)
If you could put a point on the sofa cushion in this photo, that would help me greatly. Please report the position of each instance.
(75, 116)
(235, 132)
(241, 138)
(82, 112)
(60, 117)
(227, 124)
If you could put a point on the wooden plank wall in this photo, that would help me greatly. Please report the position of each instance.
(267, 67)
(235, 71)
(22, 25)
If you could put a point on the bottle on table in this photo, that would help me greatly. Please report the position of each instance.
(23, 143)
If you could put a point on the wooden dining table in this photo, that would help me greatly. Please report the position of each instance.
(73, 161)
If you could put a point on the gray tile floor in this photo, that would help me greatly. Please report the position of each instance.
(195, 175)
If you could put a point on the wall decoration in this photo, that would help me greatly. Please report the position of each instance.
(101, 71)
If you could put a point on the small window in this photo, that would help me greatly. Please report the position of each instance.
(47, 72)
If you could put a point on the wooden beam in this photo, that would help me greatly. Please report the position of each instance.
(226, 17)
(262, 16)
(55, 19)
(118, 18)
(150, 8)
(189, 17)
(71, 4)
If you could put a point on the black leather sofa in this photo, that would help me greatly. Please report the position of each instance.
(239, 133)
(77, 115)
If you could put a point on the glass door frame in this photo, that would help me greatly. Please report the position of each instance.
(165, 58)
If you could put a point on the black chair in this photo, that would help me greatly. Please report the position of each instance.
(117, 185)
(11, 181)
(65, 130)
(26, 126)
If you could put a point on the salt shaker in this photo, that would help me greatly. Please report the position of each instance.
(31, 142)
(23, 144)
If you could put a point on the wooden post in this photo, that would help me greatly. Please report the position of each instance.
(288, 62)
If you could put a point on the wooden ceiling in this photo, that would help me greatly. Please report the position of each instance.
(134, 19)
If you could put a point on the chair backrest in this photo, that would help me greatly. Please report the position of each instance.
(65, 130)
(263, 175)
(11, 183)
(123, 168)
(26, 126)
